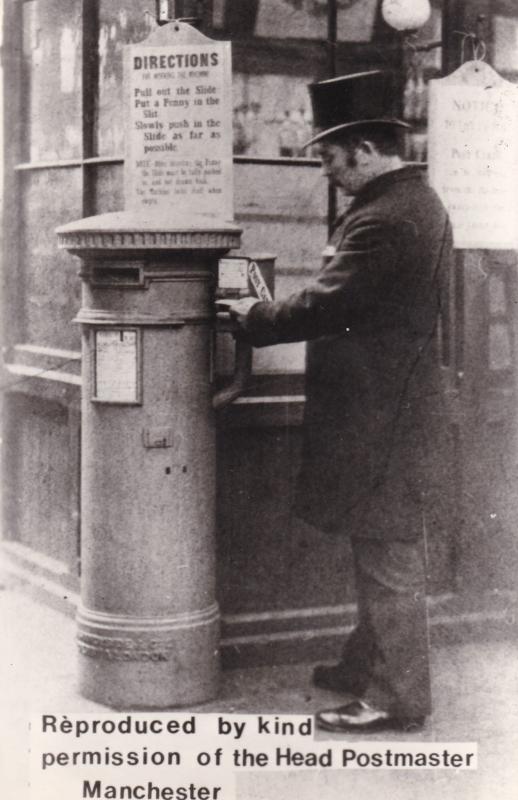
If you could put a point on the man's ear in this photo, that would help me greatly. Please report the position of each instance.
(365, 148)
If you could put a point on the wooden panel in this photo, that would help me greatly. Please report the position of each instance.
(488, 546)
(267, 559)
(41, 470)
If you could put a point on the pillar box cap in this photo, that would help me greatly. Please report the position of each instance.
(131, 230)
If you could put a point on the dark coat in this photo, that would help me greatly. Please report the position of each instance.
(374, 414)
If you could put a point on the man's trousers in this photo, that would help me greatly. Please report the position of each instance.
(387, 653)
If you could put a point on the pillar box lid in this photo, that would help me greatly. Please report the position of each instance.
(129, 230)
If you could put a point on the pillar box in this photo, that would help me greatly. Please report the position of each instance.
(148, 624)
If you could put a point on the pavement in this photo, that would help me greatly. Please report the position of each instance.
(475, 687)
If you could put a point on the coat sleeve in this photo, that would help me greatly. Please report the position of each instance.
(353, 285)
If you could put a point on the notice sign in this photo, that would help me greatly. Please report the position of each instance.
(473, 155)
(233, 274)
(116, 372)
(179, 125)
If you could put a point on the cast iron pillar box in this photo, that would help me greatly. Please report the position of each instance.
(148, 625)
(148, 622)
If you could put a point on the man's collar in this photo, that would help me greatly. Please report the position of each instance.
(381, 182)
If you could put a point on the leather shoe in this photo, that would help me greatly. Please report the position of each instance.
(359, 717)
(335, 678)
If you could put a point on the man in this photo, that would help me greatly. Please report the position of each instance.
(373, 415)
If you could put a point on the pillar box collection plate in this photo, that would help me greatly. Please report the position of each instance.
(148, 624)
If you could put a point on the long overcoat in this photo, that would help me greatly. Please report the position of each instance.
(374, 422)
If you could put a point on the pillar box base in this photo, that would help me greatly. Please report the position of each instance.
(135, 662)
(148, 627)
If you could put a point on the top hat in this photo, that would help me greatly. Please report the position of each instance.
(365, 98)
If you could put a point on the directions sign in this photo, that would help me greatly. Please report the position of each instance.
(179, 124)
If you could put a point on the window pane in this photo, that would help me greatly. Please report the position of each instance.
(52, 80)
(272, 114)
(356, 19)
(109, 188)
(506, 43)
(420, 68)
(120, 22)
(51, 284)
(297, 19)
(307, 19)
(431, 32)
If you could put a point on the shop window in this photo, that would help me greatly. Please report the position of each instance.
(271, 115)
(271, 109)
(505, 32)
(272, 112)
(307, 19)
(279, 46)
(52, 48)
(355, 19)
(419, 67)
(49, 197)
(121, 22)
(300, 18)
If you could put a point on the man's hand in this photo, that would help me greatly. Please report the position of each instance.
(239, 309)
